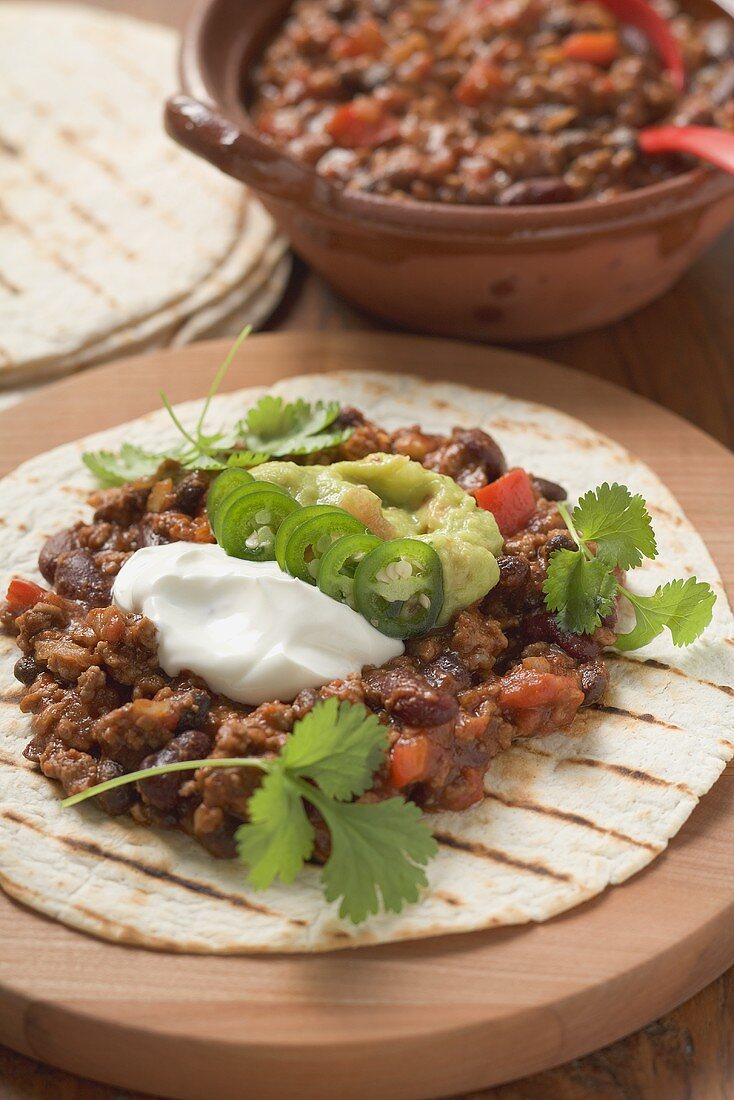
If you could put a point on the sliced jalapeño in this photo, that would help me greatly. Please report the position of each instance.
(398, 587)
(339, 564)
(313, 536)
(247, 522)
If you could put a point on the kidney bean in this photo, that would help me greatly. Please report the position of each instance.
(532, 192)
(161, 791)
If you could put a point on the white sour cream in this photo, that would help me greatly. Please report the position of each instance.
(251, 631)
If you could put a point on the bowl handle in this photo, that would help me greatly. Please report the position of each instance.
(239, 154)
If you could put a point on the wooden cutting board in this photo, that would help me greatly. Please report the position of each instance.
(431, 1018)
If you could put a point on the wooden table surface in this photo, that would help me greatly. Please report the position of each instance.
(679, 352)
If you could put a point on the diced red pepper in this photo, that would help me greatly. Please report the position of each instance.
(527, 689)
(24, 594)
(510, 499)
(480, 82)
(364, 122)
(365, 39)
(597, 47)
(409, 761)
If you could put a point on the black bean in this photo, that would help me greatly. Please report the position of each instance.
(549, 489)
(26, 670)
(559, 541)
(121, 799)
(161, 791)
(195, 712)
(190, 493)
(448, 673)
(594, 680)
(514, 571)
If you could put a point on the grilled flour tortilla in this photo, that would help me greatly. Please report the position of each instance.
(112, 240)
(564, 816)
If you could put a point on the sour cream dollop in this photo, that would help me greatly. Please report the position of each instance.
(250, 630)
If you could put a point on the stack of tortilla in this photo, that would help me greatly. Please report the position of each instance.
(112, 239)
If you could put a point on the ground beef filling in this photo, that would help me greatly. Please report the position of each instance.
(501, 670)
(505, 102)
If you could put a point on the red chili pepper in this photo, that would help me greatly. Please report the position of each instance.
(409, 761)
(597, 47)
(363, 122)
(510, 499)
(24, 594)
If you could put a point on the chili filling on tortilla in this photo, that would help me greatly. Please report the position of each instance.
(499, 670)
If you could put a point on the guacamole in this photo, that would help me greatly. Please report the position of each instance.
(395, 496)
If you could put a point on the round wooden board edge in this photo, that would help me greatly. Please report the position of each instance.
(319, 352)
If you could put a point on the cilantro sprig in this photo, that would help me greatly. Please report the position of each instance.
(378, 849)
(612, 530)
(273, 428)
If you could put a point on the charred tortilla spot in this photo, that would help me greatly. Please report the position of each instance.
(651, 662)
(572, 818)
(448, 899)
(634, 774)
(650, 719)
(150, 870)
(498, 856)
(619, 769)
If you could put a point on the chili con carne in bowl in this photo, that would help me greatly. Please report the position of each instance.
(462, 166)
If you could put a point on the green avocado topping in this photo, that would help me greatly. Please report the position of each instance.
(396, 497)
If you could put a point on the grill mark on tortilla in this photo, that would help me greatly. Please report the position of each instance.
(60, 261)
(8, 147)
(13, 762)
(498, 856)
(150, 871)
(84, 215)
(449, 899)
(6, 284)
(108, 41)
(143, 198)
(651, 719)
(635, 774)
(671, 517)
(650, 662)
(572, 818)
(727, 744)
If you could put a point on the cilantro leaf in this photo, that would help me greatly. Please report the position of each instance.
(378, 851)
(215, 463)
(580, 590)
(684, 607)
(618, 523)
(271, 429)
(127, 464)
(291, 429)
(339, 746)
(279, 837)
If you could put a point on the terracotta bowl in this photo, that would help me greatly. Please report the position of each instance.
(494, 274)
